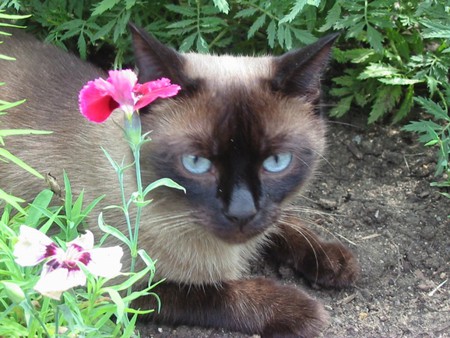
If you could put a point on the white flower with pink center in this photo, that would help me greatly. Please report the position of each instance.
(61, 270)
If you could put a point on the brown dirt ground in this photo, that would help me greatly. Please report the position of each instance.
(373, 194)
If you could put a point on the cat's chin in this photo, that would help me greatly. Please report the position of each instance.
(236, 237)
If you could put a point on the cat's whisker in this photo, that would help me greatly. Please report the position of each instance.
(299, 229)
(296, 229)
(311, 222)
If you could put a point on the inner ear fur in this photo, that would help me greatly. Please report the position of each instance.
(298, 72)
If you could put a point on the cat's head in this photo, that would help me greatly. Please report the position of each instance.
(243, 135)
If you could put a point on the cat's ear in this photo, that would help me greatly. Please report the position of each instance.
(298, 72)
(155, 60)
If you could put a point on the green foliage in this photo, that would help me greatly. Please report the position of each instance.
(393, 50)
(96, 311)
(405, 54)
(435, 131)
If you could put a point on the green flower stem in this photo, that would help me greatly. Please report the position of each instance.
(56, 320)
(133, 132)
(139, 208)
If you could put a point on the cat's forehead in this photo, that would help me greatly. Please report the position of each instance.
(227, 69)
(233, 102)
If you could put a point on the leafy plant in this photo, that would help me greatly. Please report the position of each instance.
(96, 311)
(435, 132)
(403, 52)
(393, 50)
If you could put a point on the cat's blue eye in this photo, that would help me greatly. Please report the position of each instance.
(278, 162)
(196, 164)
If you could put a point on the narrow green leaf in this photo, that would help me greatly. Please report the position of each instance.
(187, 43)
(166, 182)
(433, 108)
(399, 81)
(12, 200)
(132, 279)
(12, 17)
(357, 55)
(271, 31)
(244, 13)
(375, 70)
(112, 231)
(146, 258)
(386, 98)
(13, 132)
(102, 32)
(92, 205)
(9, 105)
(10, 157)
(104, 6)
(435, 30)
(280, 34)
(76, 209)
(431, 143)
(303, 36)
(81, 44)
(117, 299)
(342, 107)
(332, 17)
(287, 38)
(129, 329)
(6, 57)
(406, 106)
(183, 10)
(68, 196)
(42, 200)
(256, 26)
(375, 39)
(182, 23)
(222, 5)
(202, 45)
(298, 7)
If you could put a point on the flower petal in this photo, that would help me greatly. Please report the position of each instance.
(95, 100)
(123, 82)
(152, 90)
(105, 262)
(86, 241)
(33, 247)
(52, 284)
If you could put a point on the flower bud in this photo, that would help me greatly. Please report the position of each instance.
(13, 291)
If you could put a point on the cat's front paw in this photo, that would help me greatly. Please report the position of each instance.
(290, 312)
(330, 265)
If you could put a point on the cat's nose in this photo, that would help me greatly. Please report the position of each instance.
(242, 208)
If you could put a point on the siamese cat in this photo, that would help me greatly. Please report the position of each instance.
(243, 137)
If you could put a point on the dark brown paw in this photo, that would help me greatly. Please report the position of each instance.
(294, 314)
(331, 265)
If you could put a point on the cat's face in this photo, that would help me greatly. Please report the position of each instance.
(243, 136)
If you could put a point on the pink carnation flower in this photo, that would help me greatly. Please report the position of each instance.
(99, 98)
(61, 270)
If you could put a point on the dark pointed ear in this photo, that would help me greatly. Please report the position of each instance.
(155, 60)
(298, 72)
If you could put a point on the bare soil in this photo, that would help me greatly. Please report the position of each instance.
(373, 194)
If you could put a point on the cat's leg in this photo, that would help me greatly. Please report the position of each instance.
(253, 306)
(328, 264)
